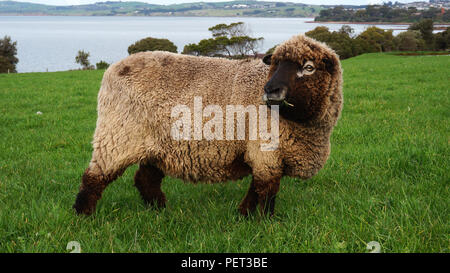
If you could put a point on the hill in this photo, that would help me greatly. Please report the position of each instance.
(230, 8)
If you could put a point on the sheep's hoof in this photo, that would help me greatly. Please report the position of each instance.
(158, 202)
(245, 210)
(83, 205)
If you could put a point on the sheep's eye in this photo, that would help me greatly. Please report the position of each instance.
(309, 68)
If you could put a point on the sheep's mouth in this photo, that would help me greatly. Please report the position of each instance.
(277, 98)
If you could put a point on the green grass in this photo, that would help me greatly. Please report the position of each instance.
(387, 179)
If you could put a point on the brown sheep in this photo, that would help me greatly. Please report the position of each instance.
(303, 78)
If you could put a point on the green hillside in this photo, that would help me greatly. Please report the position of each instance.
(231, 8)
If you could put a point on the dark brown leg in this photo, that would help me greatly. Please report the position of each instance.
(148, 181)
(91, 189)
(250, 201)
(263, 193)
(267, 193)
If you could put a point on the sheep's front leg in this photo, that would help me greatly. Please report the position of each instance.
(148, 181)
(262, 192)
(250, 201)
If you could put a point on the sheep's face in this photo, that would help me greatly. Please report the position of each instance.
(300, 87)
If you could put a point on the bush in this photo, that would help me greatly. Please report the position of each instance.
(271, 50)
(443, 40)
(6, 66)
(340, 41)
(410, 40)
(82, 58)
(375, 39)
(8, 52)
(102, 65)
(425, 27)
(152, 44)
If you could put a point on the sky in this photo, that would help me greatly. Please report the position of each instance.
(165, 2)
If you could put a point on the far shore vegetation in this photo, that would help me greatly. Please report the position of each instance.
(384, 14)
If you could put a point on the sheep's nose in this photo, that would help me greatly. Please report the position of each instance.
(274, 93)
(271, 89)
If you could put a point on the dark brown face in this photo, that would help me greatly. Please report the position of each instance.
(299, 88)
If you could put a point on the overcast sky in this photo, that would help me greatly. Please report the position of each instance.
(165, 2)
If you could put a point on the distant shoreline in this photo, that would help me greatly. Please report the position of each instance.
(145, 16)
(231, 16)
(148, 16)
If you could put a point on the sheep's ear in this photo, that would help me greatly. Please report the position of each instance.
(329, 65)
(267, 59)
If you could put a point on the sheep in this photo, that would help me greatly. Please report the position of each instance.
(302, 79)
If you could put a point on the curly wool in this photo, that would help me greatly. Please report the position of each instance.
(138, 93)
(134, 122)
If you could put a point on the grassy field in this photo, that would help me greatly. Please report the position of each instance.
(387, 179)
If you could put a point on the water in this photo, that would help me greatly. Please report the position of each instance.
(47, 43)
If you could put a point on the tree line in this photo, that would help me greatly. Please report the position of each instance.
(418, 37)
(382, 13)
(235, 41)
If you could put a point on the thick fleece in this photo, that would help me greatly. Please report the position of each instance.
(134, 123)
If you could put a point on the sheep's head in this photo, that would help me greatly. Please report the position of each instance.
(304, 76)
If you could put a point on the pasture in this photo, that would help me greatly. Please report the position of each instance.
(387, 179)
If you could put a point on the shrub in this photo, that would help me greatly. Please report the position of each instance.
(425, 27)
(102, 65)
(8, 52)
(341, 41)
(271, 50)
(152, 44)
(410, 40)
(443, 40)
(6, 66)
(82, 58)
(375, 39)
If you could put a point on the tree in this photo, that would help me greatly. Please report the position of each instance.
(8, 52)
(443, 39)
(152, 44)
(347, 30)
(271, 50)
(341, 40)
(82, 58)
(426, 30)
(243, 45)
(231, 30)
(410, 40)
(375, 39)
(6, 66)
(231, 40)
(320, 34)
(206, 47)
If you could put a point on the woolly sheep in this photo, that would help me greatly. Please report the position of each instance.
(303, 78)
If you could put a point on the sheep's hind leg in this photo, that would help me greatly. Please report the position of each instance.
(92, 186)
(148, 181)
